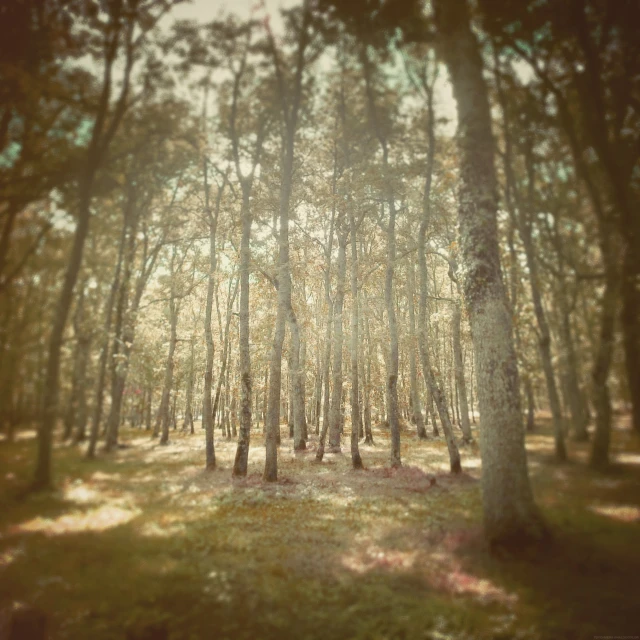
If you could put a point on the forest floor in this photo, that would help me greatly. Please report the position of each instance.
(145, 538)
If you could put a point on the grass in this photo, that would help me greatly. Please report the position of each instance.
(145, 536)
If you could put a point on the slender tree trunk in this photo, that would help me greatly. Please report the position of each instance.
(119, 364)
(104, 350)
(630, 320)
(530, 404)
(290, 110)
(459, 371)
(43, 474)
(599, 458)
(356, 460)
(84, 346)
(289, 392)
(101, 136)
(207, 408)
(242, 451)
(328, 338)
(147, 423)
(168, 374)
(392, 371)
(224, 363)
(436, 395)
(416, 405)
(188, 412)
(543, 327)
(335, 414)
(368, 439)
(510, 514)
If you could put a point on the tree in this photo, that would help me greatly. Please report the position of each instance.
(119, 32)
(510, 513)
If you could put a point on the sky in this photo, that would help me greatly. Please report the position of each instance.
(207, 10)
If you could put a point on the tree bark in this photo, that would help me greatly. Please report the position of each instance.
(356, 460)
(510, 514)
(101, 136)
(104, 351)
(290, 103)
(416, 405)
(459, 373)
(119, 360)
(165, 403)
(244, 434)
(188, 411)
(544, 335)
(338, 307)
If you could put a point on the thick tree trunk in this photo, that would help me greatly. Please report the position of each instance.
(510, 514)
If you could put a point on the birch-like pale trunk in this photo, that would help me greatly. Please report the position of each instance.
(510, 513)
(356, 460)
(416, 405)
(335, 410)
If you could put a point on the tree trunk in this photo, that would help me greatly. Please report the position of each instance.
(43, 476)
(510, 514)
(188, 412)
(119, 360)
(544, 334)
(207, 409)
(367, 356)
(290, 110)
(630, 320)
(436, 395)
(416, 405)
(335, 414)
(244, 435)
(101, 136)
(599, 458)
(168, 374)
(459, 372)
(356, 460)
(328, 338)
(80, 426)
(104, 350)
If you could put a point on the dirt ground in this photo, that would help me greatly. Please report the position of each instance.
(144, 541)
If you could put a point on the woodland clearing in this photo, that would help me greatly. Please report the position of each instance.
(146, 539)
